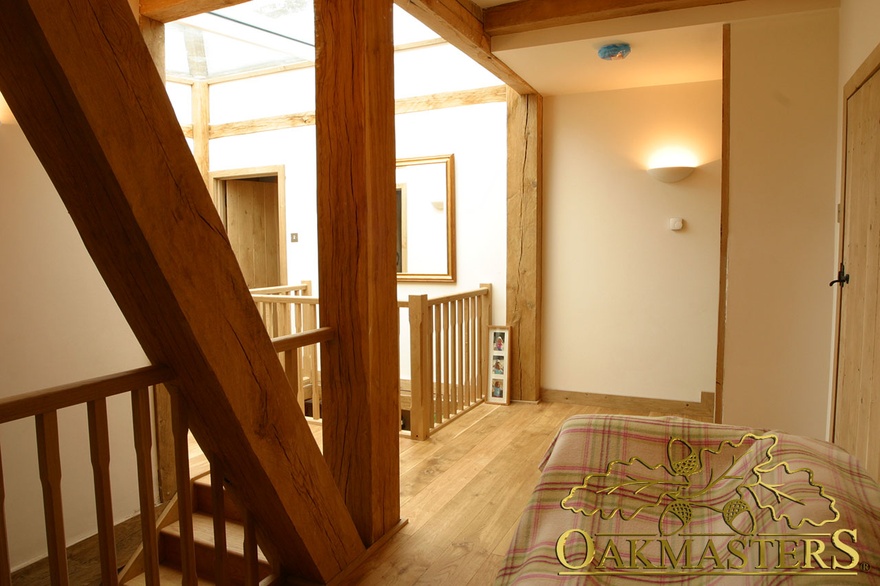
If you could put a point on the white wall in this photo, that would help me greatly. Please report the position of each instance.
(782, 221)
(59, 325)
(477, 136)
(630, 307)
(859, 34)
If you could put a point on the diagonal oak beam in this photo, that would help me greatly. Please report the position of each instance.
(526, 15)
(83, 87)
(168, 10)
(460, 23)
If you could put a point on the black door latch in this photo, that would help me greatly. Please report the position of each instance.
(842, 277)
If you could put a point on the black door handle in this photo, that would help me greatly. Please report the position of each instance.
(842, 278)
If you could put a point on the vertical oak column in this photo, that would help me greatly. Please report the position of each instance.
(525, 132)
(356, 243)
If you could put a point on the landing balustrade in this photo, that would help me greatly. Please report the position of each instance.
(447, 346)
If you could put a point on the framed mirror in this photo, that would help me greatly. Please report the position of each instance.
(426, 219)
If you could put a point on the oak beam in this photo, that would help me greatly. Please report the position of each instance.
(357, 210)
(524, 237)
(91, 103)
(168, 10)
(527, 15)
(425, 103)
(460, 23)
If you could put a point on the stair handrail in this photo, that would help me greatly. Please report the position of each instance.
(43, 405)
(42, 401)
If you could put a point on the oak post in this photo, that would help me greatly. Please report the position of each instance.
(354, 72)
(524, 234)
(201, 122)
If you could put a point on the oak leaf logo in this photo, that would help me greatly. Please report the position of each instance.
(736, 480)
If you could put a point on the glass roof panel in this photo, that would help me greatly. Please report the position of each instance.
(247, 37)
(409, 29)
(257, 35)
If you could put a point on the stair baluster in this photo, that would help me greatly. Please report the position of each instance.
(99, 441)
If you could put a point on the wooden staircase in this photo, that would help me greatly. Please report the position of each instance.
(234, 566)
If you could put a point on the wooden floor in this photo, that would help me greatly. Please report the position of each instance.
(461, 492)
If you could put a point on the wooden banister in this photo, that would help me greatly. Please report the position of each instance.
(297, 300)
(56, 398)
(180, 429)
(140, 413)
(218, 509)
(249, 551)
(295, 341)
(49, 456)
(99, 441)
(304, 289)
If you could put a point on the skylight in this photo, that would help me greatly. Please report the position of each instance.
(257, 35)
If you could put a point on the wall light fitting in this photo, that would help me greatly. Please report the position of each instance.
(670, 174)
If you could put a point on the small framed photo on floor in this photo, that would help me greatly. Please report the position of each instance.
(499, 353)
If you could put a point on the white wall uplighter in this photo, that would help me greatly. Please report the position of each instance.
(670, 174)
(672, 164)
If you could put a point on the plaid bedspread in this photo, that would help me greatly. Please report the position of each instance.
(625, 499)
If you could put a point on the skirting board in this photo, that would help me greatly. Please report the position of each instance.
(705, 408)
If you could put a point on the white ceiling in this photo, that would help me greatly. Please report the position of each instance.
(672, 47)
(663, 57)
(556, 64)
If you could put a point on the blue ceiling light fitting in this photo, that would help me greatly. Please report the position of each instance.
(615, 51)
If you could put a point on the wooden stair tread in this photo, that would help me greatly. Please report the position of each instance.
(203, 534)
(202, 502)
(166, 576)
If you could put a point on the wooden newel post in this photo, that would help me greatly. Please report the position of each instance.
(357, 211)
(485, 320)
(420, 330)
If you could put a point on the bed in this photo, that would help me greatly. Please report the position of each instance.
(625, 499)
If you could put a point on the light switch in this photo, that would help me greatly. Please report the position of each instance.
(294, 237)
(676, 224)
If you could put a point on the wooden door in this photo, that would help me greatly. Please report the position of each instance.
(252, 217)
(857, 397)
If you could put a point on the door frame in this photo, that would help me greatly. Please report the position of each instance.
(217, 182)
(869, 67)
